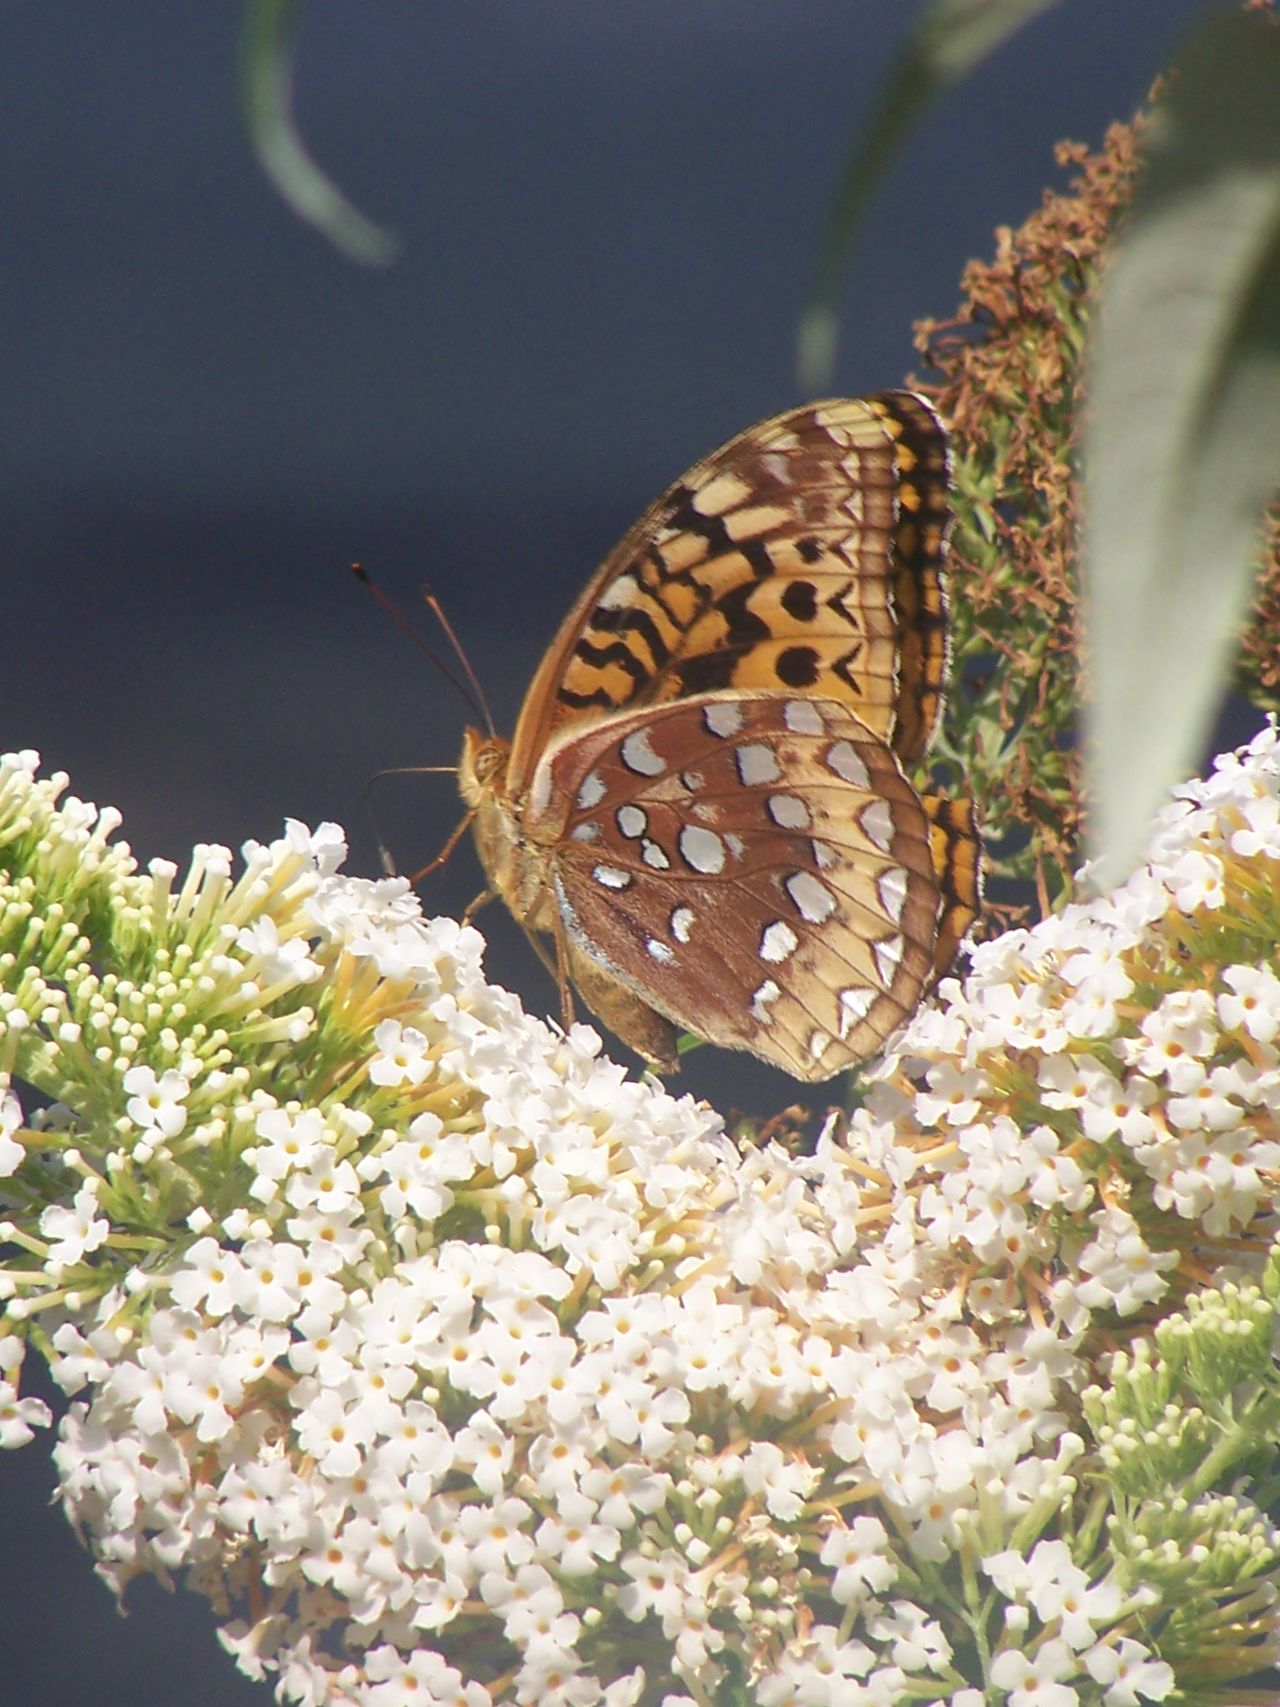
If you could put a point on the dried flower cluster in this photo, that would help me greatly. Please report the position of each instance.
(453, 1367)
(1006, 373)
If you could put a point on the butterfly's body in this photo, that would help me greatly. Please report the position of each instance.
(514, 869)
(704, 804)
(522, 871)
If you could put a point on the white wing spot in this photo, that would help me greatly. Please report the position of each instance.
(723, 718)
(764, 997)
(721, 494)
(855, 1005)
(588, 832)
(777, 941)
(889, 958)
(843, 758)
(735, 844)
(891, 886)
(632, 821)
(757, 765)
(592, 791)
(618, 594)
(611, 877)
(877, 824)
(802, 717)
(692, 780)
(639, 756)
(654, 855)
(824, 855)
(660, 952)
(760, 518)
(819, 1043)
(788, 813)
(813, 900)
(702, 850)
(681, 923)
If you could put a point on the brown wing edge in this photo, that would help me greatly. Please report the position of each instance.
(956, 846)
(917, 571)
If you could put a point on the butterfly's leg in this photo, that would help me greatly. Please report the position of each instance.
(556, 965)
(567, 1015)
(473, 907)
(446, 850)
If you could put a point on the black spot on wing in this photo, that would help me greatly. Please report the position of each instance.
(797, 667)
(800, 600)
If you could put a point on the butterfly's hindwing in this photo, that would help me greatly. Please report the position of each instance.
(756, 868)
(956, 848)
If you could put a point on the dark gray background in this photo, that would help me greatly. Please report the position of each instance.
(609, 214)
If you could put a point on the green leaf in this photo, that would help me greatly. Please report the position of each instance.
(266, 83)
(950, 38)
(1182, 442)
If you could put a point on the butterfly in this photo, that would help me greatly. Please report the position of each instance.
(704, 805)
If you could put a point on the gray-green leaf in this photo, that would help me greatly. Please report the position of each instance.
(1182, 442)
(266, 82)
(949, 39)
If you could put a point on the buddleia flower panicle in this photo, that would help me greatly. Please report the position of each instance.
(454, 1366)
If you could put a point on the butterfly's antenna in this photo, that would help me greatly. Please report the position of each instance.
(437, 610)
(474, 698)
(384, 852)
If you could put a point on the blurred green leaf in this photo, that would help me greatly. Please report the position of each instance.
(266, 88)
(949, 39)
(1182, 443)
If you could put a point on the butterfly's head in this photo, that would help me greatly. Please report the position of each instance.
(482, 769)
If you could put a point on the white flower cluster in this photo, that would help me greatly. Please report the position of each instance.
(462, 1369)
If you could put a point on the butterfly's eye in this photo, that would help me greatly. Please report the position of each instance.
(488, 759)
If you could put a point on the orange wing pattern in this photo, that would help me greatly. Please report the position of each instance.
(805, 556)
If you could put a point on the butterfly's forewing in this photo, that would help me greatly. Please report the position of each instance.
(754, 867)
(804, 556)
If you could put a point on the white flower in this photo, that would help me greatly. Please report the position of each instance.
(857, 1554)
(74, 1233)
(291, 1140)
(157, 1104)
(402, 1055)
(272, 960)
(1261, 835)
(783, 1482)
(1060, 1592)
(1035, 1680)
(12, 1154)
(1195, 880)
(1124, 1271)
(210, 1279)
(1178, 1035)
(19, 1418)
(1127, 1671)
(1254, 1002)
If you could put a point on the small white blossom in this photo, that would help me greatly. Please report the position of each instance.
(75, 1232)
(1129, 1673)
(1036, 1680)
(157, 1104)
(12, 1154)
